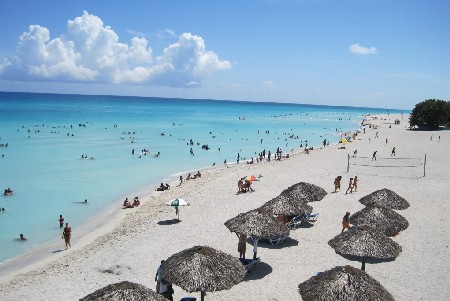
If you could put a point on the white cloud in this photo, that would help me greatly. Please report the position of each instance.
(269, 85)
(358, 49)
(5, 64)
(91, 52)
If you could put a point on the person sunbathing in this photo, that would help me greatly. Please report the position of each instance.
(136, 202)
(127, 204)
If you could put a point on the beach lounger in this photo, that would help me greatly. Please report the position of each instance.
(249, 263)
(275, 240)
(311, 217)
(297, 221)
(301, 219)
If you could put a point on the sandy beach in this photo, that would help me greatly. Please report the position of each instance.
(134, 241)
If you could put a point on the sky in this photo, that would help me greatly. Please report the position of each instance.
(367, 53)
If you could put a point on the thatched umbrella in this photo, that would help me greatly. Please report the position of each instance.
(257, 224)
(305, 191)
(286, 205)
(203, 269)
(124, 291)
(364, 241)
(343, 283)
(383, 219)
(386, 198)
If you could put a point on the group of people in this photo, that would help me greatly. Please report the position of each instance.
(8, 191)
(352, 184)
(128, 204)
(197, 175)
(163, 187)
(67, 231)
(244, 185)
(190, 177)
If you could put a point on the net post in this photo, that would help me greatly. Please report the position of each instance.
(348, 162)
(424, 165)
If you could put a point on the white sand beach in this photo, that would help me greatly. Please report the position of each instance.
(133, 243)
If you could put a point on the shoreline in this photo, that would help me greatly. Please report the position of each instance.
(133, 249)
(109, 219)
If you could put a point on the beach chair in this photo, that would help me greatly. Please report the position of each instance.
(311, 217)
(276, 240)
(249, 263)
(297, 221)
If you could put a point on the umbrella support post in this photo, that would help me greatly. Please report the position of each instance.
(363, 266)
(202, 296)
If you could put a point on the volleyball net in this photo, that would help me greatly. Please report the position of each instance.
(409, 166)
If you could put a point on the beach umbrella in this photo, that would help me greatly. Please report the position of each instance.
(204, 269)
(383, 219)
(364, 241)
(305, 191)
(257, 224)
(386, 198)
(176, 203)
(286, 205)
(250, 178)
(343, 140)
(124, 290)
(343, 283)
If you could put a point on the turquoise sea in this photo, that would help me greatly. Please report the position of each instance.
(44, 136)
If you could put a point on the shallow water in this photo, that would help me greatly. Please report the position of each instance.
(48, 133)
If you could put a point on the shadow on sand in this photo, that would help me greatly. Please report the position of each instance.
(259, 271)
(169, 222)
(368, 259)
(264, 243)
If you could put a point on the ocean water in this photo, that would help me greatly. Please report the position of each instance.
(47, 134)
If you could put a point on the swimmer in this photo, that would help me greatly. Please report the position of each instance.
(21, 237)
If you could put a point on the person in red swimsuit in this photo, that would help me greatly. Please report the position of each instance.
(67, 233)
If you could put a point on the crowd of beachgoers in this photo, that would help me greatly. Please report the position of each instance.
(145, 236)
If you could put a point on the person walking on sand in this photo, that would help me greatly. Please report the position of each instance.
(67, 233)
(374, 156)
(393, 152)
(346, 221)
(350, 186)
(355, 183)
(337, 183)
(61, 221)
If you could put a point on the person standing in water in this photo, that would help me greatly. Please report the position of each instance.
(61, 221)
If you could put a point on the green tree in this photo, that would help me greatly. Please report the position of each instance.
(430, 114)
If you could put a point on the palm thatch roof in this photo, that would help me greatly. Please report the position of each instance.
(305, 191)
(383, 219)
(286, 205)
(343, 283)
(124, 290)
(202, 268)
(257, 223)
(365, 241)
(386, 198)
